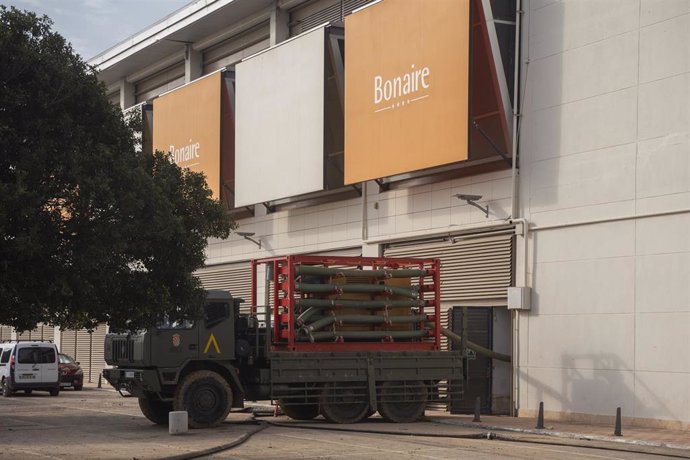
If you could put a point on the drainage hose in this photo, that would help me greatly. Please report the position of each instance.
(474, 347)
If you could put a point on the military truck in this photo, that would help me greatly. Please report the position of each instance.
(341, 337)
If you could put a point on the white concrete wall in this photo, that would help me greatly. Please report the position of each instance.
(606, 134)
(410, 212)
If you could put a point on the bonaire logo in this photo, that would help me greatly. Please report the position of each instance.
(402, 90)
(185, 153)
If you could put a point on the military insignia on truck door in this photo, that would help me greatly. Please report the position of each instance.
(212, 340)
(176, 340)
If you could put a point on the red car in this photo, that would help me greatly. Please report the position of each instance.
(71, 374)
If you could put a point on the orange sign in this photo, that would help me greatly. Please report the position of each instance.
(406, 87)
(186, 123)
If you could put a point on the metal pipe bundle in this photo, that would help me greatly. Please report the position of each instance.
(316, 270)
(411, 292)
(362, 319)
(367, 335)
(372, 304)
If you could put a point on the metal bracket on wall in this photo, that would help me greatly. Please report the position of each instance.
(383, 187)
(268, 207)
(491, 142)
(357, 189)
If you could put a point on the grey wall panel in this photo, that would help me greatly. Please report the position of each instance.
(280, 118)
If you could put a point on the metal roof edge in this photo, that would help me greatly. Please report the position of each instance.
(156, 32)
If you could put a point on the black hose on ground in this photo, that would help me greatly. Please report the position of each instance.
(490, 435)
(216, 449)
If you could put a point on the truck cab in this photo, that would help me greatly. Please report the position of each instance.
(191, 364)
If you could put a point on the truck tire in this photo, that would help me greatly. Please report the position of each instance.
(299, 411)
(155, 410)
(207, 398)
(55, 391)
(343, 403)
(402, 402)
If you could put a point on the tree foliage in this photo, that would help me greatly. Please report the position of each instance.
(90, 229)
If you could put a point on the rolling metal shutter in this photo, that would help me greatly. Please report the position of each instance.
(235, 278)
(476, 269)
(41, 333)
(5, 333)
(87, 348)
(316, 13)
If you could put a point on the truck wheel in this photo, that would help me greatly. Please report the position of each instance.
(299, 411)
(155, 410)
(55, 391)
(402, 402)
(344, 403)
(28, 392)
(206, 396)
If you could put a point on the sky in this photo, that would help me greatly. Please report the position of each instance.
(93, 26)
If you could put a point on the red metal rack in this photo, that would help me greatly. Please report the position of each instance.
(285, 295)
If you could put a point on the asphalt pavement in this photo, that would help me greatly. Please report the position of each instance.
(100, 424)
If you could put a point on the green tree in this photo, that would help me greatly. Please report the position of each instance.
(90, 229)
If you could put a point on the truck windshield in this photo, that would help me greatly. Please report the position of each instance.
(167, 324)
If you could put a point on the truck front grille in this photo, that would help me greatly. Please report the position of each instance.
(123, 350)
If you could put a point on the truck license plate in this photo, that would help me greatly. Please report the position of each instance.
(28, 376)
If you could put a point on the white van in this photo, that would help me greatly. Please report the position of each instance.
(29, 366)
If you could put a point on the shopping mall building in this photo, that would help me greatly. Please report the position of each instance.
(536, 145)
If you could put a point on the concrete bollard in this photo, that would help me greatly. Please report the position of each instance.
(177, 422)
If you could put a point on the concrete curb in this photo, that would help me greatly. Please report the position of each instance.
(564, 434)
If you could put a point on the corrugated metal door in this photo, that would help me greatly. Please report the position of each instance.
(235, 278)
(476, 270)
(42, 332)
(68, 340)
(5, 333)
(87, 348)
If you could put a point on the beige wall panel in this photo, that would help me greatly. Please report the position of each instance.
(280, 121)
(186, 123)
(406, 87)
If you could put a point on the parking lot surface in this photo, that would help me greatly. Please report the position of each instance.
(99, 423)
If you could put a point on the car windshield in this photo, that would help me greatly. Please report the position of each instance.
(66, 359)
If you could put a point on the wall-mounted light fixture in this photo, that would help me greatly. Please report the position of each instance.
(248, 236)
(472, 201)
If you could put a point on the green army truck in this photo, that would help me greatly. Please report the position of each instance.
(340, 337)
